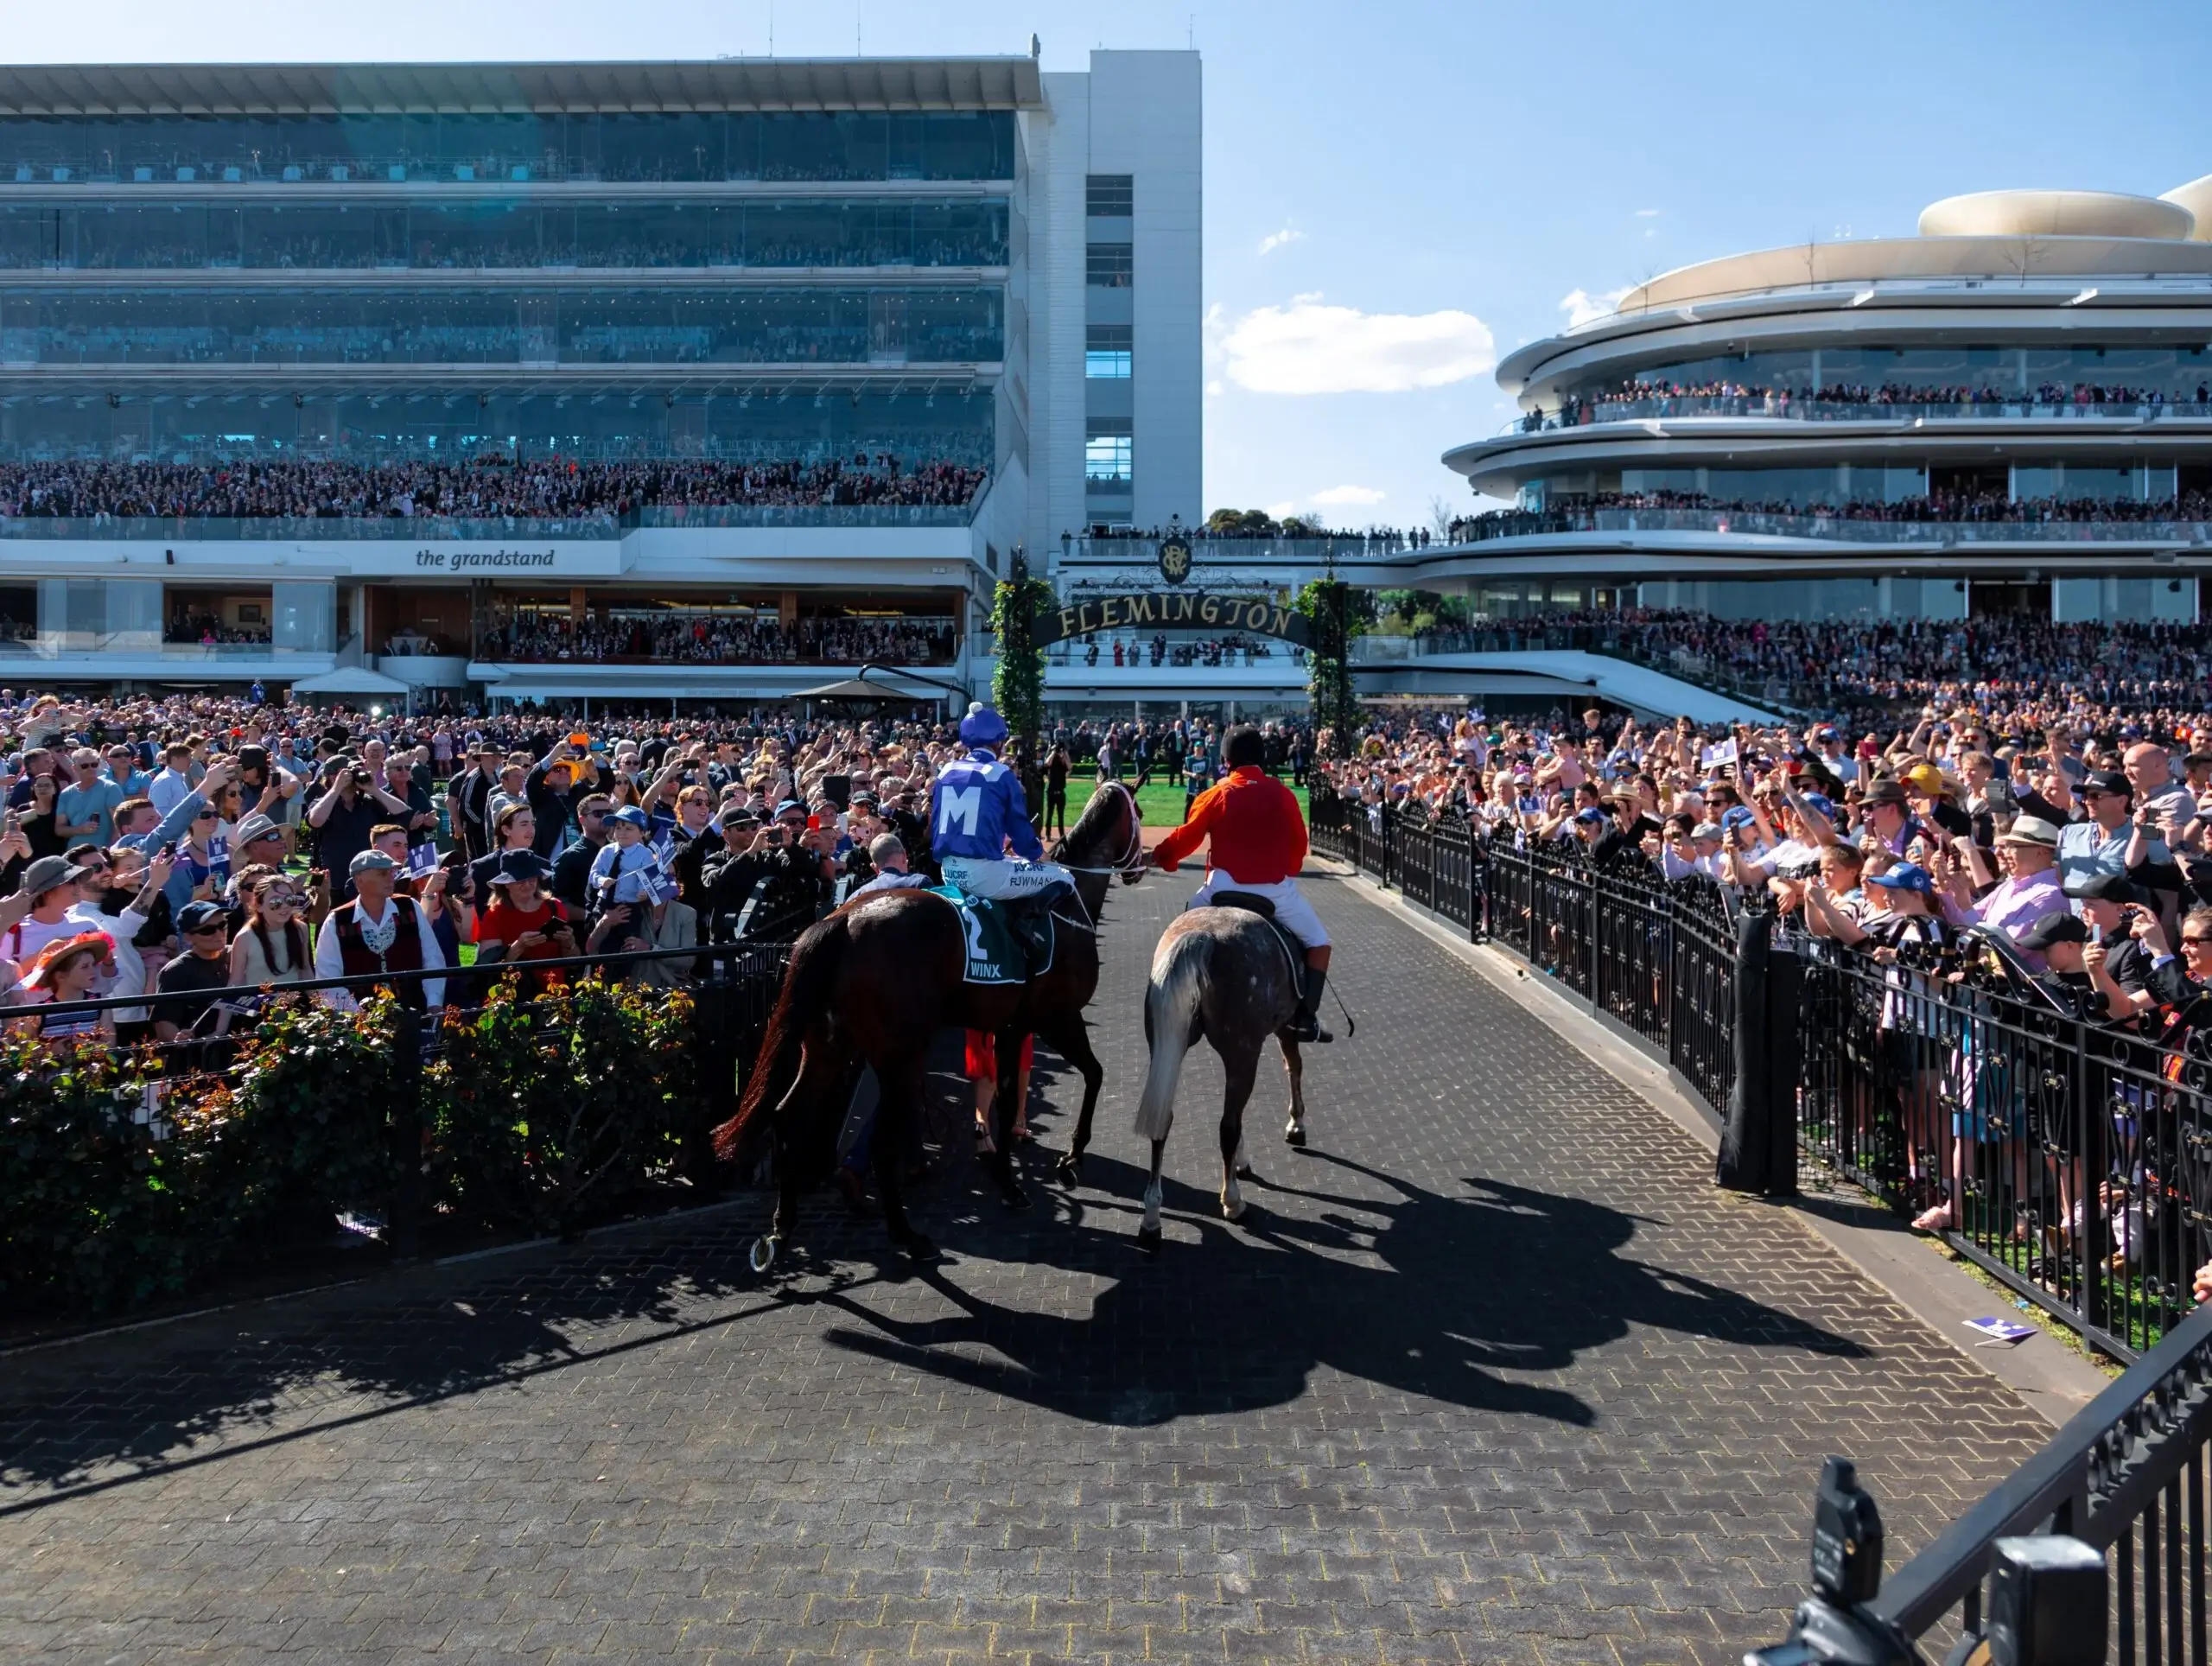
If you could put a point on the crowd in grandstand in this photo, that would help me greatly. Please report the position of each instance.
(720, 638)
(1576, 514)
(489, 486)
(1133, 649)
(312, 253)
(1724, 397)
(733, 339)
(1258, 523)
(210, 629)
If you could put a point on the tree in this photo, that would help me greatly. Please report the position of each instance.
(1239, 523)
(1018, 685)
(1327, 604)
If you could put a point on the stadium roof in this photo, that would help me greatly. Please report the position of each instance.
(741, 84)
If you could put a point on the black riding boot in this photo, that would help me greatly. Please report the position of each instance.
(1031, 919)
(1306, 1026)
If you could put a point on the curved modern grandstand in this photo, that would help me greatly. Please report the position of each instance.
(2010, 412)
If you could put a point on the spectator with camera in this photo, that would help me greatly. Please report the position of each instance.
(351, 805)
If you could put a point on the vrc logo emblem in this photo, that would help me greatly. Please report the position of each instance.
(1175, 560)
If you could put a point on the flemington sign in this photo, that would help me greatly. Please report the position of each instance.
(1181, 609)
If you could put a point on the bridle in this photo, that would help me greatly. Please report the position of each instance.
(1130, 864)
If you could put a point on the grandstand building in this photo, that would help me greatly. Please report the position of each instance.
(2008, 413)
(621, 380)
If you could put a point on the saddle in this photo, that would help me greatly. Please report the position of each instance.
(1008, 942)
(1252, 903)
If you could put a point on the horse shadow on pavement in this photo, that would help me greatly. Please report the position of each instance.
(1485, 1300)
(1377, 1288)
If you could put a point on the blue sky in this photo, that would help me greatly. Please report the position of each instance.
(1395, 193)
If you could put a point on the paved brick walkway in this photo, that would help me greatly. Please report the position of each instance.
(1490, 1374)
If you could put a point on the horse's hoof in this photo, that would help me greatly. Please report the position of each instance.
(1069, 1168)
(1244, 1172)
(1148, 1239)
(920, 1250)
(1294, 1136)
(1012, 1197)
(1232, 1212)
(763, 1253)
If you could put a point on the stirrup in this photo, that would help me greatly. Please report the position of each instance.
(1306, 1027)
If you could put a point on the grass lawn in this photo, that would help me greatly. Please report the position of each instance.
(1162, 805)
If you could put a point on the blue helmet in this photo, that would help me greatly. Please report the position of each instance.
(982, 727)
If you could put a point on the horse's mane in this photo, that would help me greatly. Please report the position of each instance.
(1085, 840)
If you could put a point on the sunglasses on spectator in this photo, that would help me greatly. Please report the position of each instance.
(211, 931)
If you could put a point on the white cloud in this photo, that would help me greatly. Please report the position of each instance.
(1308, 348)
(1647, 214)
(1337, 495)
(1282, 511)
(1275, 240)
(1583, 307)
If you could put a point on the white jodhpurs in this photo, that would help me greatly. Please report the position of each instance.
(1296, 913)
(981, 876)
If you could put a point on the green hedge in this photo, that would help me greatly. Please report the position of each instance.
(120, 1184)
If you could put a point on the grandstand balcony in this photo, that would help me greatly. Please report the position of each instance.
(2015, 404)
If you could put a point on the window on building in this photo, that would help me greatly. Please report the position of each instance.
(1107, 352)
(1109, 196)
(1108, 266)
(1107, 457)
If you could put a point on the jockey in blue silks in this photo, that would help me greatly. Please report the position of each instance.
(976, 814)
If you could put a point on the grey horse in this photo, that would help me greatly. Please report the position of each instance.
(1224, 974)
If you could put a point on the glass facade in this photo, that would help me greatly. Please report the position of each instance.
(164, 426)
(1833, 484)
(203, 232)
(170, 304)
(2180, 372)
(1807, 487)
(500, 325)
(855, 145)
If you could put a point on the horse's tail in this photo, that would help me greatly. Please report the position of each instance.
(804, 999)
(1171, 1015)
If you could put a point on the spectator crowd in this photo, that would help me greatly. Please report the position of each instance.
(720, 638)
(181, 858)
(2042, 850)
(1579, 513)
(1641, 397)
(489, 486)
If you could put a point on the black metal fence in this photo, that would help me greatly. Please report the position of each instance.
(2074, 1156)
(2127, 1477)
(1657, 960)
(2077, 1157)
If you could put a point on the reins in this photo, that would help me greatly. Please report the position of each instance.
(1131, 861)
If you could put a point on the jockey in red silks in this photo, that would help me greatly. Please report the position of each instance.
(1258, 845)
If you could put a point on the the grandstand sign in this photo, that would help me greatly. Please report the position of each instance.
(1181, 610)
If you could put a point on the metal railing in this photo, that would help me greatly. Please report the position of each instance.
(1657, 961)
(2074, 1156)
(1824, 528)
(731, 988)
(2124, 1481)
(1806, 409)
(2026, 1104)
(313, 528)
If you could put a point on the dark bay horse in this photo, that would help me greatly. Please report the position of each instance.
(878, 978)
(1226, 975)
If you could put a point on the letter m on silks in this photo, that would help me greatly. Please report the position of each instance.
(961, 805)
